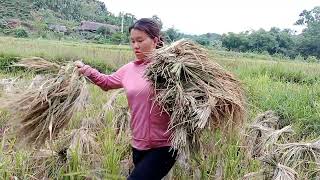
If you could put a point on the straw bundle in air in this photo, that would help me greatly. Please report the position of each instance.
(195, 91)
(37, 64)
(41, 112)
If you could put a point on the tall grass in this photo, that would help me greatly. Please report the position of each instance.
(113, 56)
(290, 88)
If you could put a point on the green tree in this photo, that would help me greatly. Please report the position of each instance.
(172, 35)
(203, 41)
(285, 41)
(309, 42)
(309, 17)
(262, 40)
(117, 38)
(103, 31)
(235, 42)
(21, 33)
(156, 18)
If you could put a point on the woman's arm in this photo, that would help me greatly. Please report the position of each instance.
(106, 82)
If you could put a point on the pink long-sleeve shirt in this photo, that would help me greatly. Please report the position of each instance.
(148, 123)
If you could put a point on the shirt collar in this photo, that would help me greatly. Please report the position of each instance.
(141, 61)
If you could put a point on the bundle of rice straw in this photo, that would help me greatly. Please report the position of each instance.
(277, 170)
(262, 134)
(281, 156)
(274, 170)
(77, 145)
(84, 142)
(303, 156)
(37, 64)
(46, 163)
(121, 114)
(84, 139)
(197, 93)
(42, 112)
(290, 161)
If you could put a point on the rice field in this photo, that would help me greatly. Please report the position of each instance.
(289, 88)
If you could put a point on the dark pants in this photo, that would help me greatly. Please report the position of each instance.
(152, 164)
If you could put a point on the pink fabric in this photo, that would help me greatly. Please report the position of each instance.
(148, 124)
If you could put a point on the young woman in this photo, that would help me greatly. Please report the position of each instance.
(150, 139)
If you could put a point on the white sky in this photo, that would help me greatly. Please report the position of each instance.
(217, 16)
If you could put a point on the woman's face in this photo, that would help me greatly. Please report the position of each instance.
(142, 44)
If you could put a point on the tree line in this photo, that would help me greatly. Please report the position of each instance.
(41, 13)
(276, 41)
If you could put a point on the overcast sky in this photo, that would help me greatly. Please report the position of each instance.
(217, 16)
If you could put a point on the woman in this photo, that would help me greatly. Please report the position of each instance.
(150, 140)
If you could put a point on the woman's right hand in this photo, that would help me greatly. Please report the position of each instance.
(79, 64)
(82, 68)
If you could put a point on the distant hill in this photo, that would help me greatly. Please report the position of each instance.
(68, 13)
(56, 19)
(17, 9)
(75, 19)
(72, 10)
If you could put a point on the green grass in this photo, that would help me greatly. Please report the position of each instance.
(290, 88)
(111, 56)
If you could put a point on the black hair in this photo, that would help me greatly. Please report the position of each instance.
(150, 27)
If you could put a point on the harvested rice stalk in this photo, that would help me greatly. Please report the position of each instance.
(301, 156)
(112, 100)
(288, 161)
(121, 117)
(254, 175)
(284, 173)
(277, 171)
(262, 140)
(37, 64)
(196, 92)
(121, 120)
(37, 81)
(272, 169)
(92, 124)
(280, 134)
(261, 135)
(52, 161)
(267, 119)
(40, 113)
(8, 84)
(46, 163)
(83, 142)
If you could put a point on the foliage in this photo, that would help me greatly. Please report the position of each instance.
(21, 33)
(309, 17)
(73, 10)
(309, 41)
(273, 41)
(172, 34)
(118, 38)
(6, 60)
(41, 13)
(276, 41)
(15, 9)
